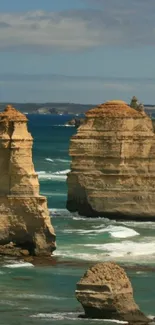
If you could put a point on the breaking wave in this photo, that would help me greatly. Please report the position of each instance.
(72, 316)
(15, 264)
(57, 160)
(49, 159)
(122, 252)
(59, 175)
(114, 231)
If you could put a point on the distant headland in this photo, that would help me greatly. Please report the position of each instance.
(58, 108)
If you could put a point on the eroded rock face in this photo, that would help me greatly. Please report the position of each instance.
(113, 164)
(24, 216)
(105, 292)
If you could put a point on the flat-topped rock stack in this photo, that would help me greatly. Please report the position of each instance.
(24, 216)
(113, 164)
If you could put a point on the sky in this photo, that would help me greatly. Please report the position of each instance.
(81, 51)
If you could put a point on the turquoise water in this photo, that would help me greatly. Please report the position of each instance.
(45, 294)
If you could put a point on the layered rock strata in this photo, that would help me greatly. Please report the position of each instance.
(24, 216)
(105, 292)
(113, 164)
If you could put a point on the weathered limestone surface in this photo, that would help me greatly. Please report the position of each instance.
(24, 216)
(105, 292)
(113, 164)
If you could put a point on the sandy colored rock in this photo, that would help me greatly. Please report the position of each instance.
(24, 216)
(113, 164)
(105, 292)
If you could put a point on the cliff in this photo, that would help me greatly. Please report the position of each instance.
(24, 216)
(105, 292)
(113, 164)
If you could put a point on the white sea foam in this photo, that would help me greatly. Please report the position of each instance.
(60, 212)
(114, 231)
(59, 175)
(62, 172)
(15, 264)
(134, 249)
(58, 160)
(128, 251)
(37, 297)
(80, 256)
(49, 159)
(72, 316)
(151, 317)
(57, 316)
(126, 248)
(121, 232)
(53, 194)
(139, 224)
(79, 218)
(64, 160)
(9, 303)
(62, 125)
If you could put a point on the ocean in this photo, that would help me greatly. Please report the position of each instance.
(45, 294)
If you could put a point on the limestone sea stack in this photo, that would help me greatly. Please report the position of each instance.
(24, 216)
(113, 164)
(105, 292)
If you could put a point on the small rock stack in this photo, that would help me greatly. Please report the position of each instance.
(105, 292)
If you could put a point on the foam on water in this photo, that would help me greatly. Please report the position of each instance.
(62, 125)
(121, 232)
(64, 160)
(69, 254)
(49, 159)
(73, 316)
(36, 297)
(114, 231)
(59, 175)
(15, 264)
(58, 160)
(134, 249)
(8, 303)
(127, 251)
(57, 316)
(53, 194)
(140, 224)
(62, 172)
(60, 213)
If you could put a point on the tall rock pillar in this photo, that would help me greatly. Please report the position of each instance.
(24, 216)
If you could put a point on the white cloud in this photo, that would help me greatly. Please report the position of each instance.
(46, 30)
(80, 29)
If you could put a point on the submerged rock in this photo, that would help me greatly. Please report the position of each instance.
(105, 292)
(24, 216)
(113, 164)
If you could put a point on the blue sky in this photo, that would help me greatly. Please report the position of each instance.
(83, 51)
